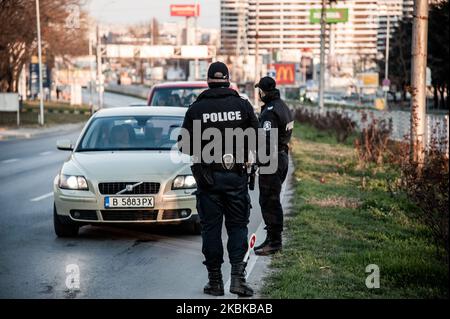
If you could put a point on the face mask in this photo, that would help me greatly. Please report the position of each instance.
(261, 95)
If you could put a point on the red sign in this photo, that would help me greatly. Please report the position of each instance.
(285, 73)
(252, 241)
(184, 10)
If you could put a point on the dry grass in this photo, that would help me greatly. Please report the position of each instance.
(335, 201)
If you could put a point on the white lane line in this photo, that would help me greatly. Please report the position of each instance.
(46, 153)
(259, 234)
(11, 160)
(36, 199)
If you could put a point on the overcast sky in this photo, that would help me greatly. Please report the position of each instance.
(134, 11)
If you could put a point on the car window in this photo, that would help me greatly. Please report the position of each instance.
(175, 96)
(130, 133)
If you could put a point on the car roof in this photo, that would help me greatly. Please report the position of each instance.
(182, 84)
(132, 111)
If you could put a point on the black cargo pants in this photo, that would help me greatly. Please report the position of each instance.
(228, 198)
(269, 196)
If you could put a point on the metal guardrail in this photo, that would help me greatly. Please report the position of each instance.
(437, 124)
(132, 90)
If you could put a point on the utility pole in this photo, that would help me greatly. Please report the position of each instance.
(256, 54)
(386, 55)
(322, 54)
(99, 70)
(91, 71)
(41, 84)
(418, 81)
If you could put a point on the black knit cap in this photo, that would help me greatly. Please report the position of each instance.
(218, 73)
(266, 84)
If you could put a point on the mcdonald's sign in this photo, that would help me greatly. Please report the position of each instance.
(285, 73)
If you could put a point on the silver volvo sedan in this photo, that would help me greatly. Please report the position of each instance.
(123, 169)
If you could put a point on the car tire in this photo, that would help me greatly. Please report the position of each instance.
(64, 226)
(194, 228)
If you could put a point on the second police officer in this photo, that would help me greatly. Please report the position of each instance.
(275, 118)
(222, 190)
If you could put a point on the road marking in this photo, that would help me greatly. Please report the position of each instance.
(11, 160)
(46, 153)
(36, 199)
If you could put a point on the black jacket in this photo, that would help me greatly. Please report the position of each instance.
(219, 108)
(276, 114)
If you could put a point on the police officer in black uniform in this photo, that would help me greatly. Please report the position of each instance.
(275, 114)
(222, 190)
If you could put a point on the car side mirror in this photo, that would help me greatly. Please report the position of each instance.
(64, 145)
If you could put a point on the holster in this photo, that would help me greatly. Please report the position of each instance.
(203, 175)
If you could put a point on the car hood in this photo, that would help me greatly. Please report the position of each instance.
(127, 165)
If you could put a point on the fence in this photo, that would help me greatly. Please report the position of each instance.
(437, 124)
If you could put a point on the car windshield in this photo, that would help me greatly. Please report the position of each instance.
(175, 96)
(121, 133)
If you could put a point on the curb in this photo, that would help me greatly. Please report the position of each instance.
(262, 269)
(11, 135)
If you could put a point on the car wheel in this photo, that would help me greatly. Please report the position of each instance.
(194, 228)
(64, 226)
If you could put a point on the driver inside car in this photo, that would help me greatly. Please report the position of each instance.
(120, 136)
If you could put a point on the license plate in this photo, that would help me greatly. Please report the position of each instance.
(128, 201)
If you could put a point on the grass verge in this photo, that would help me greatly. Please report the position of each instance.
(344, 218)
(55, 113)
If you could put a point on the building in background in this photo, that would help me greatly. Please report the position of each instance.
(285, 33)
(395, 10)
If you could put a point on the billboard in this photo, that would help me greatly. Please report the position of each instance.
(332, 15)
(368, 80)
(184, 10)
(194, 51)
(156, 51)
(285, 73)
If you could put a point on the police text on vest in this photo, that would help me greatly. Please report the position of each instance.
(222, 116)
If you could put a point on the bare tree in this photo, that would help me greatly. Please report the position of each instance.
(18, 36)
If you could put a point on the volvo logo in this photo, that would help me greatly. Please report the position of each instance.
(129, 188)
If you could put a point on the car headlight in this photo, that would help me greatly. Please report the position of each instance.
(184, 181)
(72, 182)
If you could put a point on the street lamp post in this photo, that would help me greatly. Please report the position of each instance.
(322, 54)
(386, 67)
(257, 72)
(41, 85)
(99, 70)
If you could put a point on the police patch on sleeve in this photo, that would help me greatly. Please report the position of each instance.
(267, 125)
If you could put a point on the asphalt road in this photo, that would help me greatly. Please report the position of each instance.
(114, 262)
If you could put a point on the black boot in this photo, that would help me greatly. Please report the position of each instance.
(270, 246)
(238, 285)
(214, 286)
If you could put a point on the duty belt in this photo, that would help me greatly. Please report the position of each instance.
(218, 167)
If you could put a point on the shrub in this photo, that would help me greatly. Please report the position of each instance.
(427, 185)
(373, 140)
(333, 122)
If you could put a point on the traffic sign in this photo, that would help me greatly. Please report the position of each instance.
(332, 15)
(386, 85)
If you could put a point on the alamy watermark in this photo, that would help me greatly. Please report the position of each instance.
(73, 277)
(373, 279)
